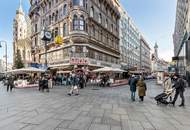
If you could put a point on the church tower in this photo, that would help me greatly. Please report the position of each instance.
(21, 29)
(20, 25)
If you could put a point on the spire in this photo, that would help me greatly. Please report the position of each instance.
(156, 50)
(156, 45)
(20, 10)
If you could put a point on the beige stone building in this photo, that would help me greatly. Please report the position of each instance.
(90, 31)
(21, 35)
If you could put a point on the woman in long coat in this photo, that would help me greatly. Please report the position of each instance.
(141, 89)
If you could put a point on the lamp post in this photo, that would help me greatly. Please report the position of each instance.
(5, 51)
(45, 34)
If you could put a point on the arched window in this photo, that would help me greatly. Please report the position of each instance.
(64, 29)
(65, 9)
(93, 30)
(111, 27)
(100, 18)
(28, 55)
(92, 12)
(75, 22)
(23, 54)
(56, 16)
(49, 19)
(53, 17)
(76, 2)
(106, 24)
(82, 3)
(81, 23)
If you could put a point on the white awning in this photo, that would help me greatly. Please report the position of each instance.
(109, 69)
(26, 70)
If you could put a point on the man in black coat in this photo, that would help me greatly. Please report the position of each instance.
(180, 88)
(10, 84)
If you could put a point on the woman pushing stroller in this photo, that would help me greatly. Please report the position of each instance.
(178, 87)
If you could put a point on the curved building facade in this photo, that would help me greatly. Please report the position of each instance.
(89, 28)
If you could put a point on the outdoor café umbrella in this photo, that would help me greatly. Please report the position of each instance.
(26, 70)
(109, 69)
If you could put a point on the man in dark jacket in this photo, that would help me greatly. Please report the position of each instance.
(180, 88)
(132, 84)
(10, 84)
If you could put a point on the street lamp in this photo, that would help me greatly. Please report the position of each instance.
(5, 51)
(45, 34)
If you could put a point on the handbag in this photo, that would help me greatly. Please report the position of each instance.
(75, 87)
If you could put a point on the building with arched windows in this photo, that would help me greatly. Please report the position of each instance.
(21, 36)
(89, 28)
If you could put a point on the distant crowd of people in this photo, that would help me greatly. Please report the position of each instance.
(78, 80)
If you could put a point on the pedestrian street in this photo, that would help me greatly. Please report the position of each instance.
(94, 109)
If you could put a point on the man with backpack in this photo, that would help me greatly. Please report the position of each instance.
(180, 86)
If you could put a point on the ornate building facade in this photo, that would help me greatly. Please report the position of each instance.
(89, 28)
(21, 36)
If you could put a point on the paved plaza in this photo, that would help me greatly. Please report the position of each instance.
(93, 109)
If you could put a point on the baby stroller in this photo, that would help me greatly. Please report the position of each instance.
(163, 97)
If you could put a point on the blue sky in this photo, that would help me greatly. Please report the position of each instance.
(154, 18)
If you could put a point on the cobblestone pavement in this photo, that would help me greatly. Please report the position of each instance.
(100, 109)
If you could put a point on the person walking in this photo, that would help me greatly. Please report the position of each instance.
(132, 84)
(141, 89)
(81, 81)
(74, 84)
(10, 84)
(180, 89)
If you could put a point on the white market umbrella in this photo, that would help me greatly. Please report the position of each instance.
(26, 70)
(64, 72)
(109, 69)
(105, 69)
(118, 70)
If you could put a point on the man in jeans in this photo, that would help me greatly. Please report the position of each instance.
(132, 84)
(180, 88)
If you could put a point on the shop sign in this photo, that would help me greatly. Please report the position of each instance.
(78, 61)
(58, 40)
